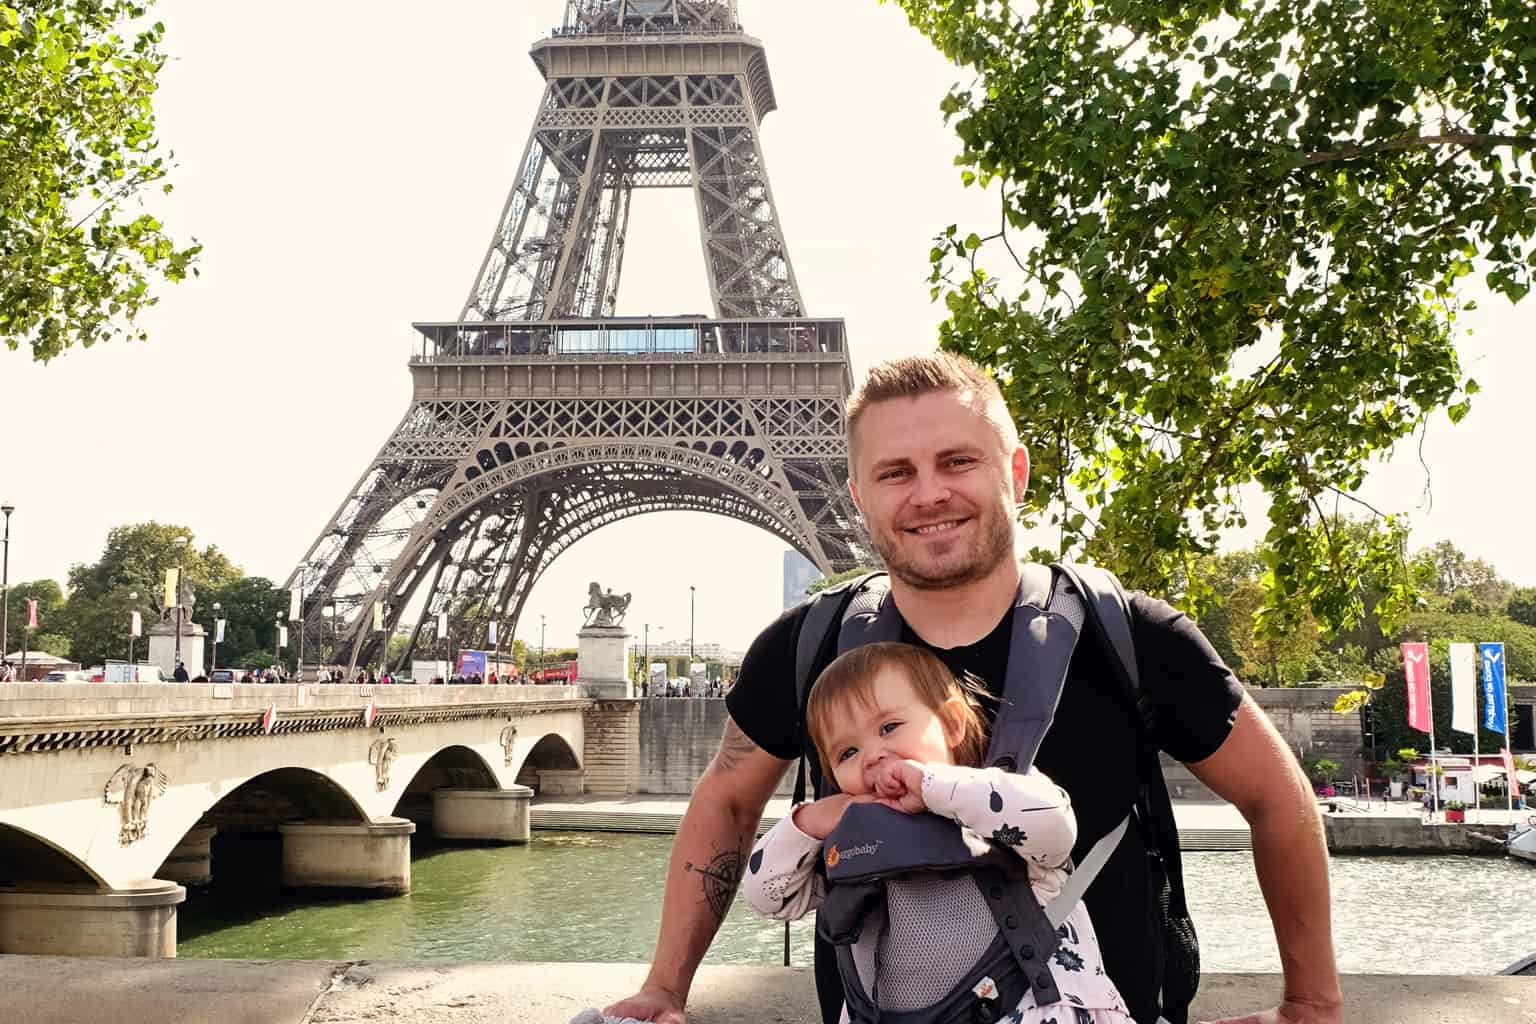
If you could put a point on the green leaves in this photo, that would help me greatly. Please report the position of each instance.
(76, 154)
(1252, 223)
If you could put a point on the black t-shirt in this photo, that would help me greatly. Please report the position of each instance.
(1090, 750)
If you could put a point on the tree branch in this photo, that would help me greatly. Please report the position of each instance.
(1467, 140)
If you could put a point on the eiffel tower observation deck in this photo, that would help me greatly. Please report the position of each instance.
(539, 415)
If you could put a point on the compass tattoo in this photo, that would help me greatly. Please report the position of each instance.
(720, 877)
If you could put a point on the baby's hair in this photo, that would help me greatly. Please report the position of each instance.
(851, 677)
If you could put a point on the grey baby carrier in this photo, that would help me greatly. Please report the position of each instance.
(873, 844)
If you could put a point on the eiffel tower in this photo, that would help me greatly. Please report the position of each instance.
(539, 416)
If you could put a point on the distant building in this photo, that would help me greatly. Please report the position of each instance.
(799, 573)
(701, 652)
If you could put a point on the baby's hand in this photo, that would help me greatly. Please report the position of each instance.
(818, 818)
(899, 784)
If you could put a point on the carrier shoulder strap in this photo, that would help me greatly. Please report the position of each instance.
(823, 618)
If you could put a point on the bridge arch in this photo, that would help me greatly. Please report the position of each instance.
(27, 858)
(551, 753)
(455, 767)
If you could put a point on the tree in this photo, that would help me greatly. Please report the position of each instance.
(1522, 606)
(1278, 659)
(137, 557)
(134, 561)
(1249, 223)
(49, 598)
(250, 606)
(822, 583)
(77, 153)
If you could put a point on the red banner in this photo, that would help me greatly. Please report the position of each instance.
(1509, 770)
(1416, 668)
(31, 613)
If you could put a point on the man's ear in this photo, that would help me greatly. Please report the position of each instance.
(1020, 473)
(853, 491)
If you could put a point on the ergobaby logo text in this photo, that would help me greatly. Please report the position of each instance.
(834, 855)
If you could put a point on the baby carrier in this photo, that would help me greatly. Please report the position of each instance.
(874, 844)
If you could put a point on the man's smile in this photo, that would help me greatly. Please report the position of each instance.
(933, 529)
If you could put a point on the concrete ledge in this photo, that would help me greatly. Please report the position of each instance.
(373, 856)
(56, 990)
(1378, 833)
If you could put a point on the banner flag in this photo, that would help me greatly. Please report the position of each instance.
(442, 625)
(136, 625)
(1416, 668)
(294, 600)
(1493, 687)
(218, 631)
(31, 613)
(378, 616)
(490, 634)
(1509, 769)
(368, 714)
(172, 580)
(269, 719)
(1464, 687)
(282, 636)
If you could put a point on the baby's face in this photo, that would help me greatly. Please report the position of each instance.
(896, 724)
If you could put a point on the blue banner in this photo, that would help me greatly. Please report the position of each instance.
(1492, 657)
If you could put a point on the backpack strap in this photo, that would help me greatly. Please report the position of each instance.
(819, 636)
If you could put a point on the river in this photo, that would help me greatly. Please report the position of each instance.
(594, 896)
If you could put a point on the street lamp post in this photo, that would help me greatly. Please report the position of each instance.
(277, 641)
(181, 569)
(5, 584)
(133, 595)
(216, 623)
(541, 650)
(690, 630)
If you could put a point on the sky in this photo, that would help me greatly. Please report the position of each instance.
(344, 163)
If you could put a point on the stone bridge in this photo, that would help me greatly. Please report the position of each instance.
(111, 796)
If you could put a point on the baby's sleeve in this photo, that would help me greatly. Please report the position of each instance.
(781, 880)
(1028, 813)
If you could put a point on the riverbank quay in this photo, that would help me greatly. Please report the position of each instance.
(1203, 827)
(1414, 832)
(72, 990)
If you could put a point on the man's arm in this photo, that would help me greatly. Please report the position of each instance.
(708, 858)
(1254, 770)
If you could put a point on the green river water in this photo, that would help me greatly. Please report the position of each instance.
(593, 896)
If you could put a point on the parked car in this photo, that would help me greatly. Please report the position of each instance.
(61, 676)
(224, 675)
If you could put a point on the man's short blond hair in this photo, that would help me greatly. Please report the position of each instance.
(912, 376)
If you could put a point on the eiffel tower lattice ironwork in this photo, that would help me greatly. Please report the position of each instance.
(539, 416)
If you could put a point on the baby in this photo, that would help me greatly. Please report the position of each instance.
(892, 725)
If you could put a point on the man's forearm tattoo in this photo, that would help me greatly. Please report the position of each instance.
(735, 748)
(720, 876)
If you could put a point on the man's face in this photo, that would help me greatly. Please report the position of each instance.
(937, 488)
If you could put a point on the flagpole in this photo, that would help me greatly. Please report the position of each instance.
(1477, 760)
(1434, 778)
(1511, 780)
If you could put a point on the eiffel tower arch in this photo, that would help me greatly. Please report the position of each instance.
(539, 416)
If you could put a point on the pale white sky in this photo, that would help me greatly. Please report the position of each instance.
(344, 163)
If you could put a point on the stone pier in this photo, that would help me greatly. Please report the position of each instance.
(484, 815)
(80, 921)
(191, 863)
(373, 856)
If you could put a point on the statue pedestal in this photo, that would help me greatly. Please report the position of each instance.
(162, 647)
(602, 657)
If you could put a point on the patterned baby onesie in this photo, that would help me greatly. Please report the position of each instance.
(1029, 814)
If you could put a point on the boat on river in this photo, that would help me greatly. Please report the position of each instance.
(1522, 841)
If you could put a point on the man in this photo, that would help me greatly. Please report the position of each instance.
(936, 469)
(180, 674)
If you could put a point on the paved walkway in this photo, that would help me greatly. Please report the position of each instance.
(59, 990)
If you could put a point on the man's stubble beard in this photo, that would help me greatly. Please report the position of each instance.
(992, 547)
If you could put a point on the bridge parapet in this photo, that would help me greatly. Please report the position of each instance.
(36, 718)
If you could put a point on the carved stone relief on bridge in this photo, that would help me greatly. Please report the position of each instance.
(382, 754)
(133, 788)
(508, 741)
